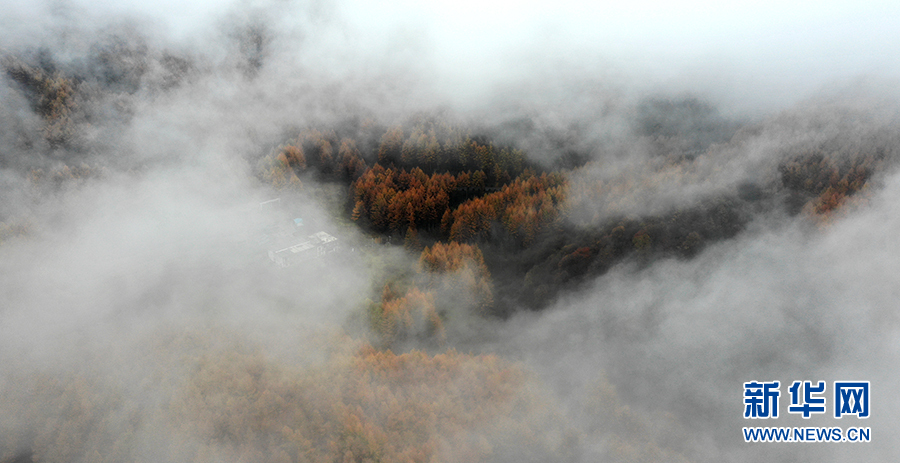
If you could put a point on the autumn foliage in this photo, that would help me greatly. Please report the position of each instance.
(827, 180)
(233, 403)
(412, 316)
(393, 200)
(280, 171)
(53, 96)
(458, 275)
(520, 209)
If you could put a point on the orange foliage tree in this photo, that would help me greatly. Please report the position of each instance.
(351, 164)
(457, 274)
(280, 171)
(828, 178)
(393, 199)
(228, 401)
(412, 316)
(521, 209)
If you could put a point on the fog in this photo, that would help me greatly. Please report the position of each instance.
(135, 282)
(682, 338)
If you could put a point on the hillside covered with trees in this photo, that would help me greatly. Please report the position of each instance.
(570, 273)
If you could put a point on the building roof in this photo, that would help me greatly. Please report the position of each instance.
(310, 242)
(323, 237)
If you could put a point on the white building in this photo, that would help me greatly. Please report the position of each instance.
(312, 247)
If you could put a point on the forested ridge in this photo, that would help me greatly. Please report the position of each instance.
(452, 229)
(418, 188)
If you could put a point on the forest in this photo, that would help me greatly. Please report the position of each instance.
(584, 276)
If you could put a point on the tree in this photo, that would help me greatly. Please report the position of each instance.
(412, 316)
(456, 273)
(390, 150)
(352, 165)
